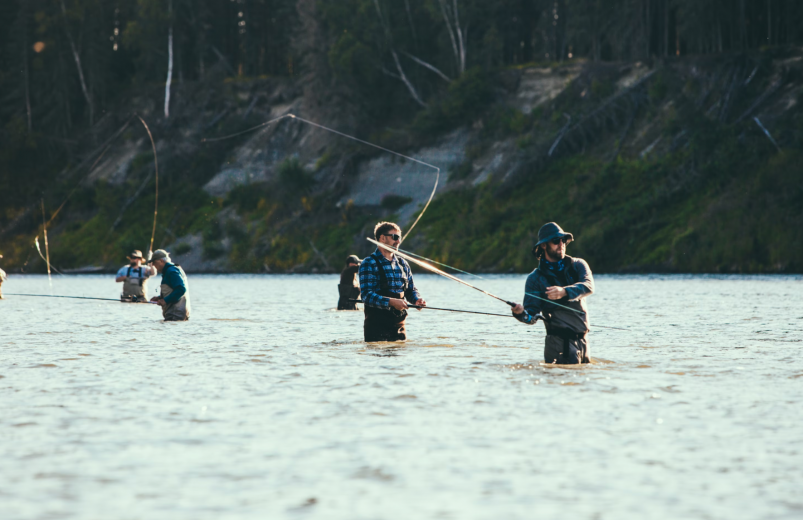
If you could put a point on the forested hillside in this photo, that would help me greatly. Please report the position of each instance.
(666, 134)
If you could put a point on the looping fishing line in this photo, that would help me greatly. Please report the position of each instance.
(332, 130)
(481, 278)
(404, 254)
(108, 146)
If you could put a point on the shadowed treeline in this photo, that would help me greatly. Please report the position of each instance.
(403, 73)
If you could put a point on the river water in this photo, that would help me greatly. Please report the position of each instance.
(267, 404)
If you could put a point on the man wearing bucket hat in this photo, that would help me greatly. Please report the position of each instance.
(174, 295)
(135, 278)
(349, 286)
(555, 292)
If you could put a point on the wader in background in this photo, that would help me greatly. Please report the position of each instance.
(347, 290)
(135, 289)
(385, 324)
(179, 310)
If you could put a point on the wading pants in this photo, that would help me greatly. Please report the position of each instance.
(385, 325)
(566, 347)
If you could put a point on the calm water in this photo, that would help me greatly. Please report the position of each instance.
(268, 405)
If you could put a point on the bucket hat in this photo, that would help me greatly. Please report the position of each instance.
(549, 231)
(353, 258)
(136, 253)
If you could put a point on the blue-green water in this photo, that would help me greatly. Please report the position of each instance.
(268, 405)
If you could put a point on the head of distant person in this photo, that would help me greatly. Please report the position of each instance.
(388, 233)
(135, 258)
(159, 259)
(353, 261)
(552, 241)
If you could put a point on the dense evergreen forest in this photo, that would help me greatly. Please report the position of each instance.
(73, 71)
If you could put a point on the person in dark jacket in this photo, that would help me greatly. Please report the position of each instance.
(174, 296)
(2, 279)
(555, 292)
(386, 282)
(349, 286)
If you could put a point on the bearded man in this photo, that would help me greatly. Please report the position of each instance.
(555, 292)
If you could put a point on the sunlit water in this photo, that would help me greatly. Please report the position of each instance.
(268, 405)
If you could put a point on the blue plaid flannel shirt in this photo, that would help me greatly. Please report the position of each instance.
(396, 271)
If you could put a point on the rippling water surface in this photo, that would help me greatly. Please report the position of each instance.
(267, 404)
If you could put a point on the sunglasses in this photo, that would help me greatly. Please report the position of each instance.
(556, 241)
(393, 236)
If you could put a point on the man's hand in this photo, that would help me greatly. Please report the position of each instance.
(158, 300)
(421, 303)
(518, 309)
(555, 292)
(398, 304)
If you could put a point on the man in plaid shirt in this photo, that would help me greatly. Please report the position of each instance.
(385, 283)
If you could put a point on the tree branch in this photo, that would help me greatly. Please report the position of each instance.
(429, 66)
(78, 64)
(409, 85)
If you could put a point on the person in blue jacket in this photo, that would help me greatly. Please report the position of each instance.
(555, 292)
(174, 296)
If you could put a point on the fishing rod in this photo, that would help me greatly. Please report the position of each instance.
(156, 168)
(447, 275)
(481, 278)
(447, 310)
(73, 297)
(332, 130)
(438, 271)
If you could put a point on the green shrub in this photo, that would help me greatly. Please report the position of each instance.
(465, 98)
(182, 249)
(293, 178)
(658, 89)
(602, 89)
(393, 202)
(461, 171)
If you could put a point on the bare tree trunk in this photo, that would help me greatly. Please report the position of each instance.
(666, 28)
(742, 26)
(433, 68)
(406, 81)
(78, 64)
(402, 76)
(459, 38)
(412, 26)
(451, 33)
(24, 26)
(647, 30)
(169, 59)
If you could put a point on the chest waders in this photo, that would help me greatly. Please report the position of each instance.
(385, 324)
(564, 346)
(134, 289)
(180, 310)
(347, 292)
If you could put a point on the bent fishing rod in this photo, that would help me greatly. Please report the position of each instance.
(420, 307)
(435, 270)
(438, 271)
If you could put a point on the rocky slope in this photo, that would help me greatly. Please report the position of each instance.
(685, 165)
